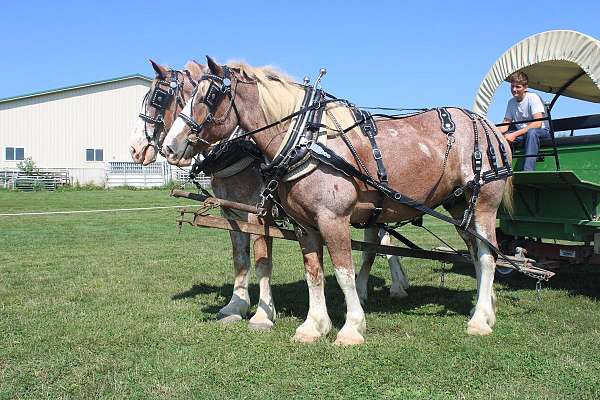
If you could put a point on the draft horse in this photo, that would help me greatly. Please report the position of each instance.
(420, 162)
(235, 177)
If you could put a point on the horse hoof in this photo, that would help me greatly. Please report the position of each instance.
(349, 339)
(491, 321)
(299, 338)
(229, 319)
(479, 330)
(260, 326)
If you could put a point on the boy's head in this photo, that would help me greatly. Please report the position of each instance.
(518, 85)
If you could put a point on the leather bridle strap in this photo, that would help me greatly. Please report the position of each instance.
(211, 100)
(161, 103)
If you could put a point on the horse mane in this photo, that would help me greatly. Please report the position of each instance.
(196, 69)
(280, 95)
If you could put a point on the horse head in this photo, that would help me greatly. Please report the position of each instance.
(165, 98)
(212, 114)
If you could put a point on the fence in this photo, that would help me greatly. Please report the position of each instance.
(116, 173)
(41, 179)
(182, 175)
(125, 173)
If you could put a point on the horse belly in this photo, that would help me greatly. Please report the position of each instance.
(392, 211)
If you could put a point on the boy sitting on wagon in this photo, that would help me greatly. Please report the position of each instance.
(524, 106)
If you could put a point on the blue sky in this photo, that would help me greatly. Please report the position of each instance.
(384, 53)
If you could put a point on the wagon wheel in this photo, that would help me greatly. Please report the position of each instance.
(507, 245)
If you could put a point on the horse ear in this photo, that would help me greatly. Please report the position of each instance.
(159, 69)
(202, 66)
(214, 67)
(195, 68)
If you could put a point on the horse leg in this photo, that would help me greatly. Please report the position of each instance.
(399, 279)
(265, 313)
(337, 237)
(368, 258)
(457, 212)
(484, 317)
(374, 234)
(317, 321)
(238, 306)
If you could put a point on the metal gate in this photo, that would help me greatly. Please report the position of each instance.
(125, 173)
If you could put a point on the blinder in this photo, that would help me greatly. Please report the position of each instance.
(160, 98)
(213, 96)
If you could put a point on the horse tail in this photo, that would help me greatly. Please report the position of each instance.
(507, 196)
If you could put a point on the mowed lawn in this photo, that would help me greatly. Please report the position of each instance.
(118, 305)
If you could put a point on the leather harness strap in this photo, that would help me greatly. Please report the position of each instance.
(366, 123)
(448, 126)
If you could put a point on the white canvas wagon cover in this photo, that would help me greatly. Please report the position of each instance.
(550, 60)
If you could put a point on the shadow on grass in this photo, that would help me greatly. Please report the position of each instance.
(291, 299)
(577, 280)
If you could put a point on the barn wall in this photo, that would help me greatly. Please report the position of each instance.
(56, 128)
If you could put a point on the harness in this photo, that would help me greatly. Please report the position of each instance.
(160, 99)
(226, 159)
(218, 88)
(302, 144)
(369, 129)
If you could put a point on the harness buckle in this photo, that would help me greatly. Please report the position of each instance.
(458, 192)
(376, 154)
(271, 186)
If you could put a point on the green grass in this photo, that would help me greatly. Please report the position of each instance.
(118, 305)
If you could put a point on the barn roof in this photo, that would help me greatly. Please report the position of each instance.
(79, 86)
(551, 60)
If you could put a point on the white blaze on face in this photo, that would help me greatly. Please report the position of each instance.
(178, 125)
(138, 144)
(137, 136)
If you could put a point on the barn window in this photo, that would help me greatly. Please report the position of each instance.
(94, 155)
(14, 154)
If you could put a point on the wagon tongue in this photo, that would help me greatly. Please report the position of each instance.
(526, 266)
(537, 273)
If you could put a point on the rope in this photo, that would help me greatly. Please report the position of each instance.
(93, 211)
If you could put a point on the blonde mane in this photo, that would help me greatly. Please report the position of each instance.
(280, 96)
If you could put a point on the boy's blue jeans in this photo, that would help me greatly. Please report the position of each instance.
(531, 141)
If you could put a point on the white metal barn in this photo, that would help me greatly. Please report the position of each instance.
(83, 128)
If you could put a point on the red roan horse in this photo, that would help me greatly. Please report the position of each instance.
(325, 201)
(244, 186)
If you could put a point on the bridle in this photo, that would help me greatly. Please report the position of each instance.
(218, 88)
(160, 98)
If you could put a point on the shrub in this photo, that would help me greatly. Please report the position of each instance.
(28, 167)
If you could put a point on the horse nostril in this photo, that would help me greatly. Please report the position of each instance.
(168, 150)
